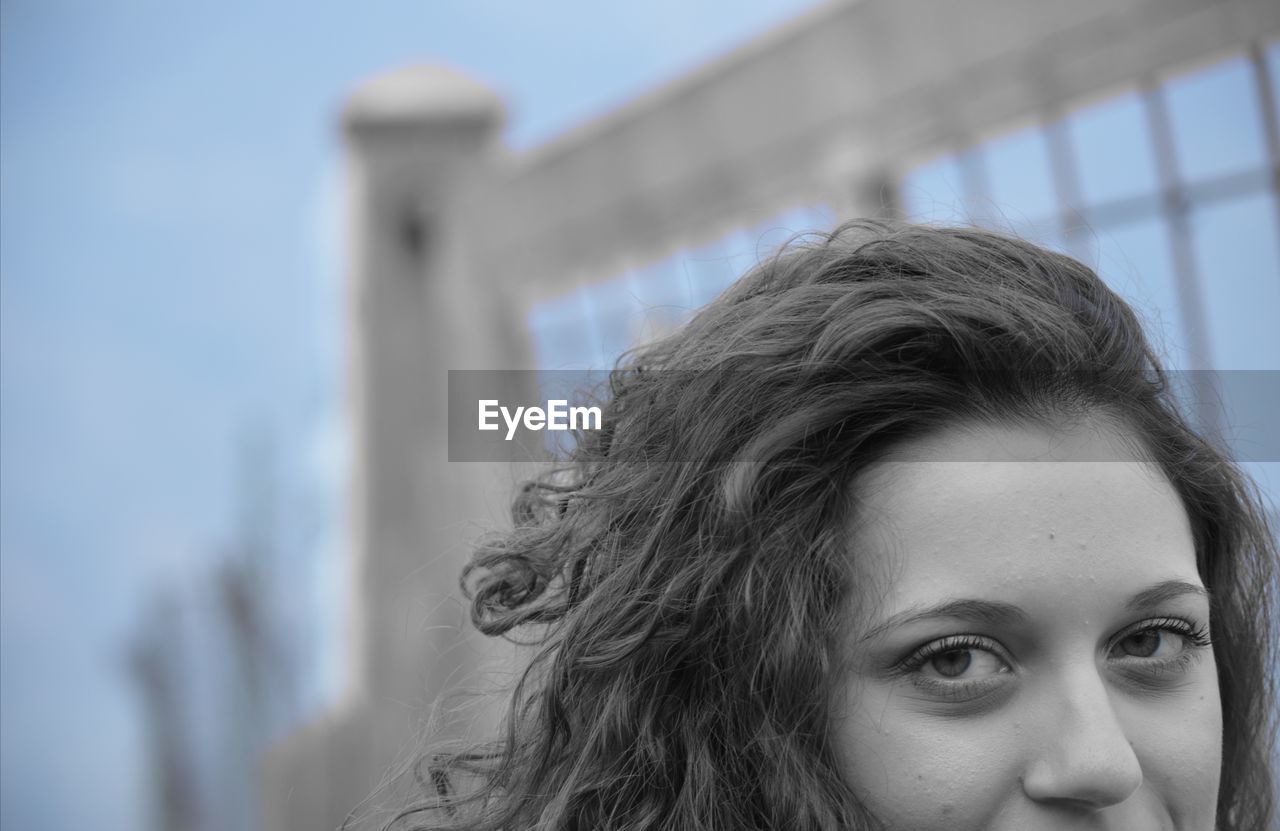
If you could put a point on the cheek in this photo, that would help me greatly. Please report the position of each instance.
(918, 771)
(1180, 748)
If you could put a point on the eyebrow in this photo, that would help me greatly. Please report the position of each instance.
(996, 613)
(992, 612)
(1163, 592)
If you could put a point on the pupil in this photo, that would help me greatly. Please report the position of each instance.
(1142, 645)
(953, 662)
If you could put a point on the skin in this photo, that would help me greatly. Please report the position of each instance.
(1069, 684)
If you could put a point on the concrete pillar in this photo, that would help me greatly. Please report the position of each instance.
(421, 141)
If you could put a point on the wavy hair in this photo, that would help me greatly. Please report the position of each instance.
(686, 576)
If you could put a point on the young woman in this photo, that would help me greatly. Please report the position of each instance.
(904, 531)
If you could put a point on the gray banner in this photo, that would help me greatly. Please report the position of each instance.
(538, 415)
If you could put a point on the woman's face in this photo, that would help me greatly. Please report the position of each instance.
(1033, 647)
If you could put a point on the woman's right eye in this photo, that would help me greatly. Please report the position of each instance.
(963, 663)
(958, 667)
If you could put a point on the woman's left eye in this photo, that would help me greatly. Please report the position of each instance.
(1159, 641)
(1152, 643)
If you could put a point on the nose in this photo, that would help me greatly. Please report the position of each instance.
(1084, 759)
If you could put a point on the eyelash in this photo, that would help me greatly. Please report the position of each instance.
(917, 659)
(1196, 634)
(1196, 637)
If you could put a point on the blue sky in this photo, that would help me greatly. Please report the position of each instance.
(170, 279)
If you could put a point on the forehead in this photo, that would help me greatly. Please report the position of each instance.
(1018, 512)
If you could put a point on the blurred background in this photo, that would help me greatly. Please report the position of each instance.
(241, 245)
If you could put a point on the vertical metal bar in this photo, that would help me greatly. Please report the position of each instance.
(976, 184)
(1177, 214)
(1270, 120)
(1066, 182)
(877, 194)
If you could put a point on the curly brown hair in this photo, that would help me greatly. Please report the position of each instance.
(686, 574)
